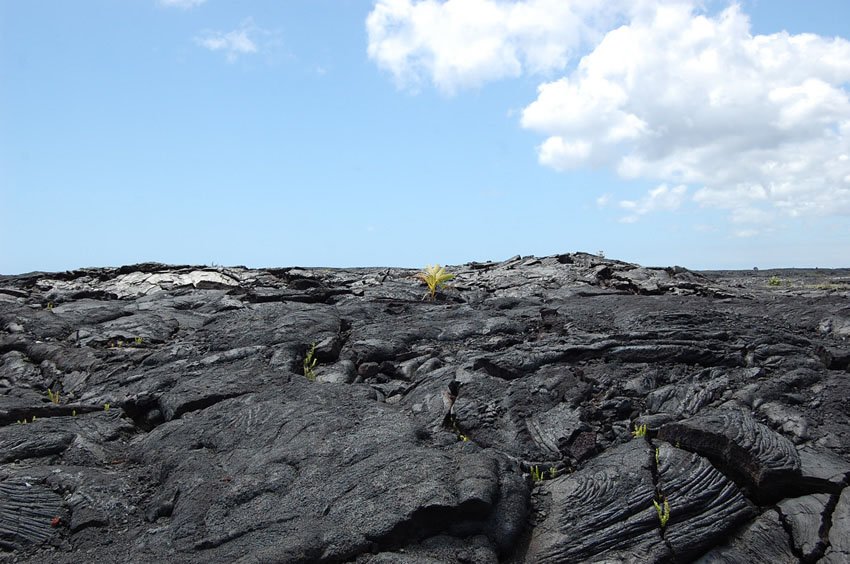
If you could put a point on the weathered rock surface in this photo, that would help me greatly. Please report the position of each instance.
(180, 424)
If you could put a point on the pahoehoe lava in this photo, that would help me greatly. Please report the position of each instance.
(160, 413)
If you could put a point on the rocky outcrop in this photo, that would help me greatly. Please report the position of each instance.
(559, 409)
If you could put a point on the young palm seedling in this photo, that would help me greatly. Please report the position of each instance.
(435, 277)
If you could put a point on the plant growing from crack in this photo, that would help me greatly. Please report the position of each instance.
(435, 277)
(310, 361)
(536, 474)
(774, 281)
(452, 420)
(640, 431)
(539, 475)
(663, 510)
(54, 396)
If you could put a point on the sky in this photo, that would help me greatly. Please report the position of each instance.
(402, 133)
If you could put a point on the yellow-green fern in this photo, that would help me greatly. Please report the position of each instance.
(663, 510)
(640, 431)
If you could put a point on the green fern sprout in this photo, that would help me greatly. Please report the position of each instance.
(536, 474)
(663, 511)
(640, 431)
(553, 472)
(106, 407)
(774, 281)
(54, 396)
(310, 361)
(435, 277)
(138, 341)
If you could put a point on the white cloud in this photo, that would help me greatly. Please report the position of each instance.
(660, 198)
(184, 4)
(759, 124)
(746, 233)
(240, 41)
(463, 43)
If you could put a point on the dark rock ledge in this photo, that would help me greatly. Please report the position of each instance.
(186, 430)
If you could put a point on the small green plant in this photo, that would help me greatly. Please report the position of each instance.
(435, 277)
(657, 450)
(553, 472)
(536, 474)
(456, 428)
(640, 431)
(54, 396)
(663, 510)
(310, 361)
(774, 281)
(22, 421)
(74, 412)
(138, 341)
(106, 407)
(49, 306)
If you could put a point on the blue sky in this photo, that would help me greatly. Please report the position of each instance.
(407, 132)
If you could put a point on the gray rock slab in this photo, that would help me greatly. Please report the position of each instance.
(766, 461)
(603, 511)
(705, 506)
(27, 513)
(806, 517)
(839, 532)
(286, 470)
(822, 469)
(763, 541)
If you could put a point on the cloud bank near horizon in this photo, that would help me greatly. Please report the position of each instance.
(755, 125)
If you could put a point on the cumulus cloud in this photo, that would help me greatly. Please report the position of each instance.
(757, 125)
(240, 41)
(184, 4)
(660, 198)
(760, 125)
(463, 43)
